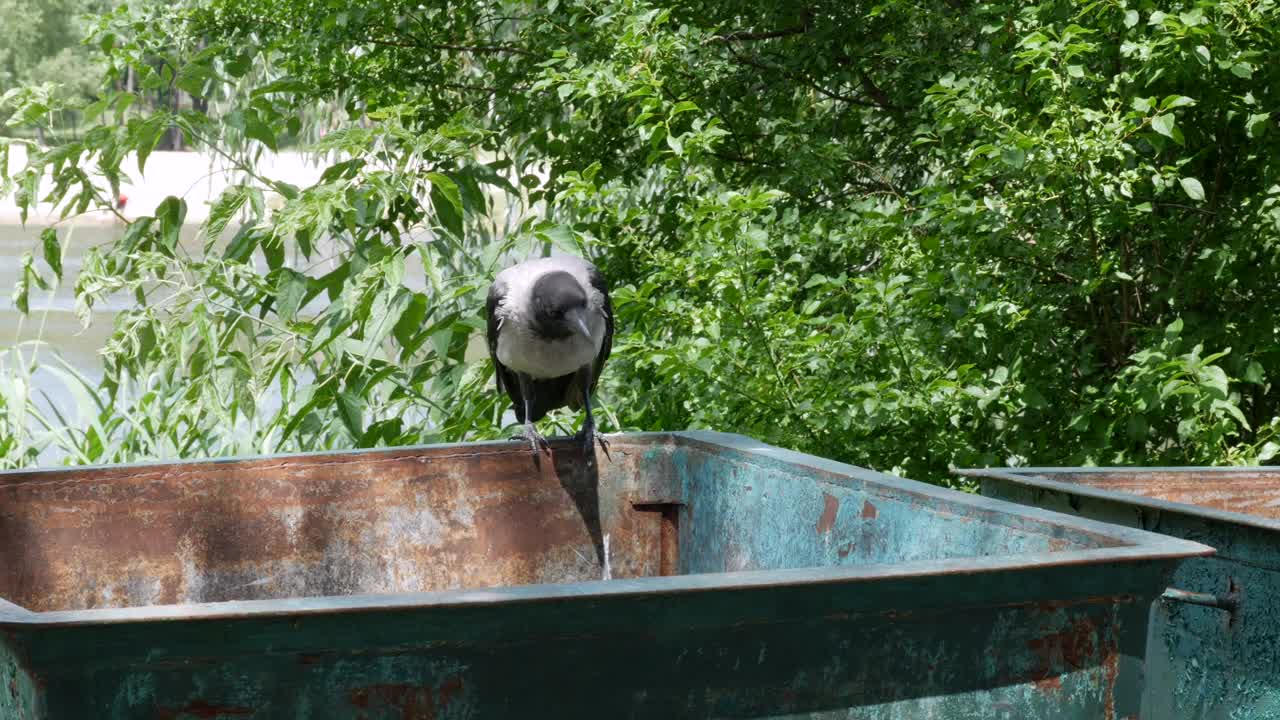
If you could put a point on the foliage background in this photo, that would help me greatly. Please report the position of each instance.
(904, 234)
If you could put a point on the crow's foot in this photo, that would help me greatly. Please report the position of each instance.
(587, 436)
(537, 443)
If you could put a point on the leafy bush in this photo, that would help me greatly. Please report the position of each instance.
(897, 233)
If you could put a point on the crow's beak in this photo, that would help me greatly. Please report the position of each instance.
(578, 321)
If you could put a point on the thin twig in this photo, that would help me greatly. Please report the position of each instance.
(747, 36)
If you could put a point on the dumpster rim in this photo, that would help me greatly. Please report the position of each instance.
(1040, 477)
(753, 449)
(1133, 545)
(15, 616)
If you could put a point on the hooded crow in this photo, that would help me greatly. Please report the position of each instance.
(550, 329)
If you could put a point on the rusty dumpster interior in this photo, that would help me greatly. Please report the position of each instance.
(1251, 492)
(465, 516)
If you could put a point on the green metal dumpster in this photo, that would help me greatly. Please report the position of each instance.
(464, 581)
(1214, 645)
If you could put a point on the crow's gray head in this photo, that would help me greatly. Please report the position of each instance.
(559, 306)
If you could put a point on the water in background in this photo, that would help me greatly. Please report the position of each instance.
(52, 320)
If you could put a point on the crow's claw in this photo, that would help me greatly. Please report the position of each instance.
(537, 443)
(588, 436)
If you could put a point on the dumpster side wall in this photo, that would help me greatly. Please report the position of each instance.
(742, 514)
(1204, 663)
(924, 648)
(456, 517)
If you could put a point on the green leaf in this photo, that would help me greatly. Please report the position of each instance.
(1137, 427)
(1176, 101)
(194, 77)
(350, 411)
(1233, 410)
(1131, 18)
(273, 251)
(255, 129)
(446, 200)
(1268, 450)
(448, 189)
(683, 106)
(242, 244)
(1192, 17)
(1075, 71)
(1256, 125)
(22, 288)
(239, 65)
(1202, 54)
(52, 251)
(285, 86)
(291, 293)
(1173, 330)
(1192, 188)
(147, 135)
(676, 144)
(225, 208)
(1163, 124)
(384, 313)
(410, 321)
(1253, 373)
(171, 212)
(1013, 156)
(1242, 70)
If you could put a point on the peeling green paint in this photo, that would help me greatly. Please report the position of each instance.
(19, 698)
(1204, 663)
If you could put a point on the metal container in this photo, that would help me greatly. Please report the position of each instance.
(1213, 650)
(464, 581)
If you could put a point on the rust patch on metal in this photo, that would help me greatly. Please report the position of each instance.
(1111, 673)
(830, 506)
(203, 711)
(449, 690)
(1251, 493)
(1070, 649)
(1111, 666)
(1049, 684)
(868, 510)
(415, 702)
(404, 520)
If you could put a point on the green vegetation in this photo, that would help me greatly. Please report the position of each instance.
(901, 234)
(42, 44)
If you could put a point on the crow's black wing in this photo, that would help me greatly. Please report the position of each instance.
(502, 376)
(600, 284)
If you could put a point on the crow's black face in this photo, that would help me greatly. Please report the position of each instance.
(559, 306)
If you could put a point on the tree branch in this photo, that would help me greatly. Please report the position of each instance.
(745, 36)
(804, 80)
(806, 24)
(498, 48)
